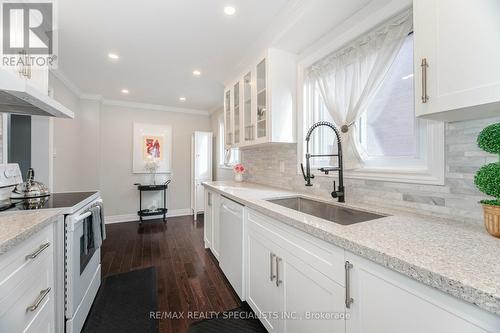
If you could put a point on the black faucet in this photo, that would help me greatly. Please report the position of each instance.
(337, 193)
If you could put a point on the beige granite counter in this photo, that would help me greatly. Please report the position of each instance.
(15, 227)
(457, 258)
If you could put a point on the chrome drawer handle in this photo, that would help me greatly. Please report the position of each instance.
(278, 281)
(424, 66)
(271, 273)
(348, 299)
(39, 300)
(38, 251)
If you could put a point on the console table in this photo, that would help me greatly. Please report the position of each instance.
(158, 211)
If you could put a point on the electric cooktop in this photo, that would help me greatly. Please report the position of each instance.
(54, 200)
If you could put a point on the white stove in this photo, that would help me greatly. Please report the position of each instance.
(82, 263)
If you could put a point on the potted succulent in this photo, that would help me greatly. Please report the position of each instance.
(487, 179)
(239, 170)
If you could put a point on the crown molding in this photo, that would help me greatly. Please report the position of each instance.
(59, 74)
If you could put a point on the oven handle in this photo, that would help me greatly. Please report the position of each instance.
(82, 216)
(75, 221)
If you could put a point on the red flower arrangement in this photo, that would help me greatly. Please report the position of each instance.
(239, 169)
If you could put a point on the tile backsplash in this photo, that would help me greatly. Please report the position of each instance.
(457, 199)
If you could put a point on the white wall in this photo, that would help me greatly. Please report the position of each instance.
(66, 161)
(117, 179)
(41, 149)
(93, 151)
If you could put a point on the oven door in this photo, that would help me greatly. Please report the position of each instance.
(83, 269)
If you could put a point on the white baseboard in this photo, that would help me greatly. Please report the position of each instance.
(134, 218)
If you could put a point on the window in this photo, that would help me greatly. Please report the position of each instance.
(388, 132)
(227, 157)
(390, 141)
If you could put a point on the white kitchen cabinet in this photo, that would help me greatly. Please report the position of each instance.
(312, 296)
(282, 279)
(236, 113)
(231, 243)
(211, 229)
(228, 116)
(460, 43)
(387, 302)
(215, 224)
(208, 220)
(31, 292)
(260, 107)
(262, 293)
(37, 77)
(290, 275)
(248, 103)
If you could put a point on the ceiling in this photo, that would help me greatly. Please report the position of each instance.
(159, 43)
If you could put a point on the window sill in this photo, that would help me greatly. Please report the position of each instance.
(228, 167)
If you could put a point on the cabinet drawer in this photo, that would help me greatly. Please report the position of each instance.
(22, 291)
(15, 262)
(325, 258)
(25, 272)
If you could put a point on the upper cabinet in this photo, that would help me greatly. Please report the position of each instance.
(260, 105)
(457, 47)
(236, 113)
(228, 124)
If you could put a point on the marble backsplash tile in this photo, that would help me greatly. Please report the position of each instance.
(457, 199)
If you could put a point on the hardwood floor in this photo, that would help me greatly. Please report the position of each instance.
(188, 276)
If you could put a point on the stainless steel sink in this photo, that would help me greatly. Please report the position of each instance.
(334, 213)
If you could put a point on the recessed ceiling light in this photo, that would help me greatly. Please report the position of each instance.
(182, 99)
(113, 56)
(196, 72)
(125, 91)
(229, 10)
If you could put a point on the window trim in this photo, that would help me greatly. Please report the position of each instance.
(432, 174)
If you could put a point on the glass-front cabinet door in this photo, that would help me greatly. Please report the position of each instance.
(236, 113)
(261, 100)
(248, 125)
(227, 119)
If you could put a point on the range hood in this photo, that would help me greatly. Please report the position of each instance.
(18, 96)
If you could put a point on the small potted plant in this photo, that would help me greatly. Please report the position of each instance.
(239, 170)
(487, 179)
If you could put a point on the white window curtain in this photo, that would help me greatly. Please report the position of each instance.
(349, 78)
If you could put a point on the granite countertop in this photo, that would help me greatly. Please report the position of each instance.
(15, 227)
(457, 258)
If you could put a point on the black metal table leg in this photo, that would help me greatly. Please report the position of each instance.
(165, 205)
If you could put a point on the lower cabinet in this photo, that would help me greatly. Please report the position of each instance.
(264, 292)
(211, 223)
(311, 297)
(289, 293)
(208, 219)
(298, 283)
(31, 290)
(385, 301)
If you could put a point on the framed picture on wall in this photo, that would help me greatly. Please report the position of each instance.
(152, 143)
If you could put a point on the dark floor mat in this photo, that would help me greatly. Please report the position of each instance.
(241, 320)
(123, 304)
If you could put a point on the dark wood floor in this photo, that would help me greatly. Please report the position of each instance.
(189, 278)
